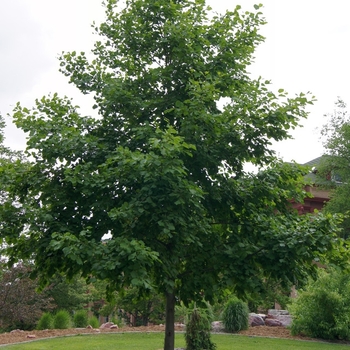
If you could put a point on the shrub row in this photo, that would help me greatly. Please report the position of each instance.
(63, 320)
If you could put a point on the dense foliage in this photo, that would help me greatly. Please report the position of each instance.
(272, 292)
(322, 309)
(151, 192)
(333, 171)
(138, 309)
(69, 295)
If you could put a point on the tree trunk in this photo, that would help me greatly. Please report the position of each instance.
(169, 340)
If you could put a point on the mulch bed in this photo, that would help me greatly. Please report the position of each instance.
(18, 336)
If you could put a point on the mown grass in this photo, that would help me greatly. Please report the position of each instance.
(154, 341)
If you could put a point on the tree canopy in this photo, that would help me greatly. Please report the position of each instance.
(152, 191)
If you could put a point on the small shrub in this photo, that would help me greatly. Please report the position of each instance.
(198, 332)
(62, 320)
(322, 310)
(93, 322)
(80, 319)
(46, 321)
(235, 316)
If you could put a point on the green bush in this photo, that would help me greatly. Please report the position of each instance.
(80, 319)
(45, 322)
(322, 309)
(62, 320)
(93, 322)
(198, 332)
(235, 316)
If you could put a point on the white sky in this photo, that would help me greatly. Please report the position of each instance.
(306, 49)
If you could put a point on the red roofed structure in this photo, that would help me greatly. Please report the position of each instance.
(319, 195)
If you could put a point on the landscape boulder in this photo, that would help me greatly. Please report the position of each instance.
(217, 326)
(281, 315)
(272, 322)
(256, 320)
(108, 325)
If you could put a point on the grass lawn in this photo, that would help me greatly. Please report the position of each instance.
(154, 341)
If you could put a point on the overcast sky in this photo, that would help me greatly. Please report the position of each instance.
(306, 49)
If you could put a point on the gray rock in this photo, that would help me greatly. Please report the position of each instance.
(217, 326)
(275, 312)
(256, 320)
(272, 322)
(286, 320)
(281, 315)
(107, 325)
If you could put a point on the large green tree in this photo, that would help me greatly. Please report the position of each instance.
(152, 191)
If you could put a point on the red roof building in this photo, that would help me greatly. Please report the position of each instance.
(319, 195)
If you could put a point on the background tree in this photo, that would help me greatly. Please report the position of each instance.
(159, 172)
(69, 295)
(139, 309)
(20, 304)
(9, 160)
(334, 165)
(98, 302)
